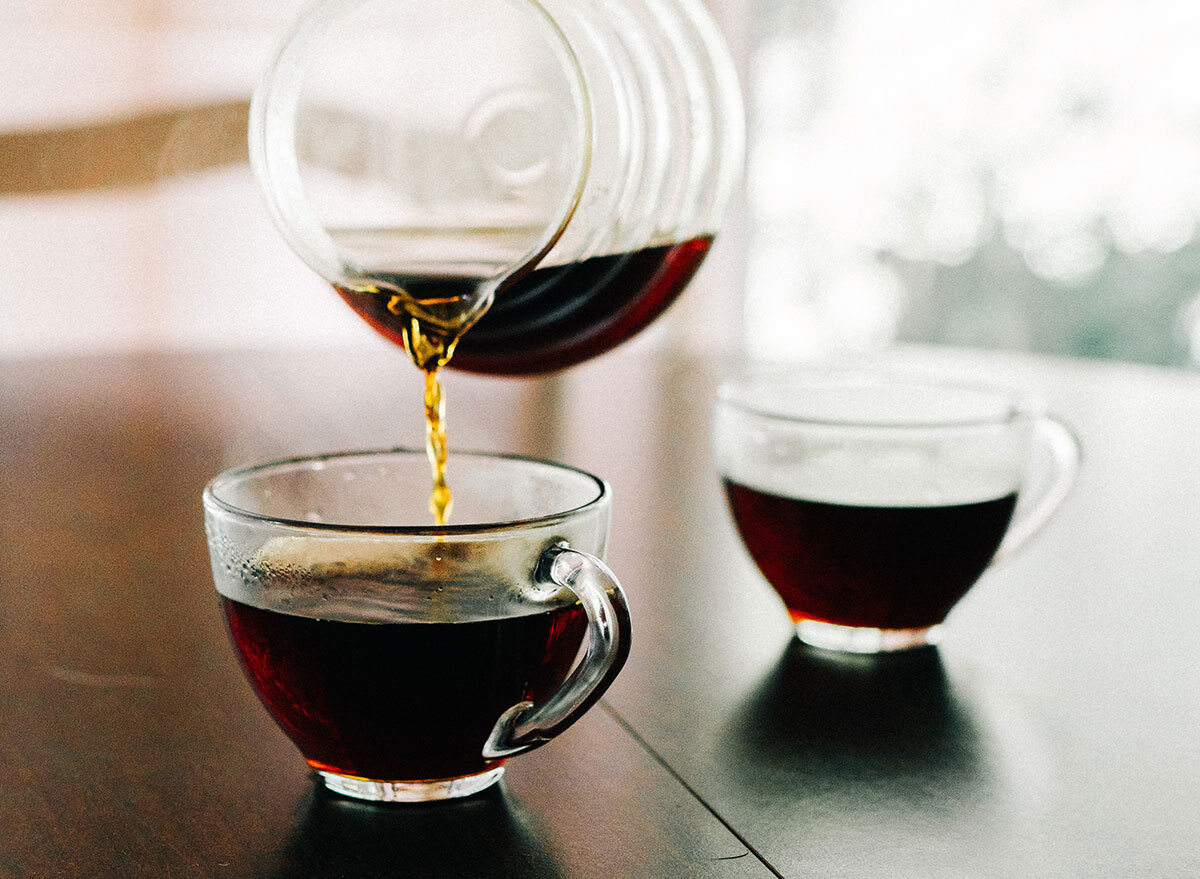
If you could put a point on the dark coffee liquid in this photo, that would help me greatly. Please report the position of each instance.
(882, 567)
(555, 316)
(400, 701)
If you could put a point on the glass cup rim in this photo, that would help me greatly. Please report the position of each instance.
(1009, 404)
(213, 502)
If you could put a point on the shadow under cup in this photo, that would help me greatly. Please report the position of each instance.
(872, 501)
(408, 661)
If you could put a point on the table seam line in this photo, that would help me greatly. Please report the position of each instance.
(658, 758)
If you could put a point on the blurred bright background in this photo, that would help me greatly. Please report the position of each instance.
(998, 173)
(151, 255)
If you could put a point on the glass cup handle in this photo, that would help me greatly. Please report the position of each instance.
(1061, 448)
(526, 725)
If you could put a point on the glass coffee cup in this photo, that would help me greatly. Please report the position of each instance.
(407, 662)
(872, 501)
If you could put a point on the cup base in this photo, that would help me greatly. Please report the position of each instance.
(856, 639)
(411, 791)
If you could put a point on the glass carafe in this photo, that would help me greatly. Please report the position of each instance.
(520, 184)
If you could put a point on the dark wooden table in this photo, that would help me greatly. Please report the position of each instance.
(1056, 732)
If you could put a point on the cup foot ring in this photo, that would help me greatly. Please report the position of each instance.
(856, 639)
(410, 791)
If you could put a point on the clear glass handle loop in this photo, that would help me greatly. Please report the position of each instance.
(525, 725)
(1060, 448)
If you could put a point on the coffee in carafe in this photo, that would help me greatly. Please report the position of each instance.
(555, 316)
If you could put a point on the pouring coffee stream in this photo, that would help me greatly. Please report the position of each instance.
(507, 186)
(586, 309)
(430, 349)
(506, 213)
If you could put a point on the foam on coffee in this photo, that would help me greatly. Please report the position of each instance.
(899, 477)
(380, 581)
(864, 443)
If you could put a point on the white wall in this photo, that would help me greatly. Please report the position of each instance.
(188, 260)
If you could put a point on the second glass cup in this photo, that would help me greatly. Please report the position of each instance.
(407, 662)
(873, 501)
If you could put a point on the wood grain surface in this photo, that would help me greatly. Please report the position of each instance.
(130, 744)
(1052, 734)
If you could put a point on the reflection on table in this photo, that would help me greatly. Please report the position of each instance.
(1052, 732)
